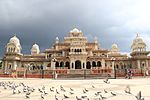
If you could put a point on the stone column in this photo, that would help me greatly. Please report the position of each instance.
(146, 63)
(15, 65)
(72, 66)
(138, 64)
(103, 63)
(113, 67)
(5, 66)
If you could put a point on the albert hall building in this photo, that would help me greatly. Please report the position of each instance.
(75, 52)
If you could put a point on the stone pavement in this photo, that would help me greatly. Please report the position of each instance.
(81, 88)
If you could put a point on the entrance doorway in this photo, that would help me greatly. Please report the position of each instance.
(78, 64)
(88, 65)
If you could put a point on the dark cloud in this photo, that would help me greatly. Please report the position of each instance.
(40, 21)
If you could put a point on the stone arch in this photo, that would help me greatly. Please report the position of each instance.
(77, 64)
(61, 64)
(67, 64)
(88, 65)
(49, 65)
(57, 64)
(99, 64)
(93, 64)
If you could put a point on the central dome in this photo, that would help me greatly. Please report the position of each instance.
(76, 33)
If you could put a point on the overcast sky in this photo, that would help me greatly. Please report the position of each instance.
(40, 21)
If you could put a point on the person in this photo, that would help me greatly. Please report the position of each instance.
(56, 75)
(129, 74)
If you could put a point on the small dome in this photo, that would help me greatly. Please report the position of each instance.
(138, 44)
(14, 40)
(57, 40)
(35, 46)
(35, 49)
(114, 48)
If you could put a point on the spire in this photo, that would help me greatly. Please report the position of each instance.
(95, 39)
(15, 34)
(137, 35)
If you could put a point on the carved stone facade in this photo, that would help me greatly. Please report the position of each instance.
(75, 52)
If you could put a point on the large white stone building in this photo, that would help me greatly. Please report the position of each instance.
(75, 52)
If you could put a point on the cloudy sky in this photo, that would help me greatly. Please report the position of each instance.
(40, 21)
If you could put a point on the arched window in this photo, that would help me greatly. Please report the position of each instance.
(88, 65)
(61, 64)
(99, 64)
(93, 64)
(49, 65)
(117, 66)
(57, 64)
(67, 64)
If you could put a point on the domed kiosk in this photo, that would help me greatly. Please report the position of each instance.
(14, 45)
(138, 47)
(35, 49)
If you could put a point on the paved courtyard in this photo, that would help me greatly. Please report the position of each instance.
(73, 89)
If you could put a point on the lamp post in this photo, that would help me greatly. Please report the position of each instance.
(54, 72)
(113, 67)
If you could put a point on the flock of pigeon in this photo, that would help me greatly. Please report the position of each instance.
(61, 92)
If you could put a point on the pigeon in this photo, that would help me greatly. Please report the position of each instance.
(139, 96)
(14, 92)
(27, 96)
(43, 88)
(51, 90)
(101, 97)
(113, 93)
(93, 86)
(65, 96)
(77, 98)
(56, 97)
(57, 91)
(19, 92)
(42, 97)
(45, 93)
(83, 97)
(128, 90)
(105, 91)
(71, 93)
(106, 81)
(96, 94)
(71, 89)
(86, 90)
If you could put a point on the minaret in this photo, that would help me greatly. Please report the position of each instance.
(57, 40)
(95, 40)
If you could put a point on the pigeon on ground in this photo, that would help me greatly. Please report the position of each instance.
(65, 96)
(113, 93)
(128, 90)
(139, 96)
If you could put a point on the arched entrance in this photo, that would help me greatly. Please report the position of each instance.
(78, 64)
(67, 65)
(88, 65)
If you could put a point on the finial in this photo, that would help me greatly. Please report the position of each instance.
(137, 35)
(14, 34)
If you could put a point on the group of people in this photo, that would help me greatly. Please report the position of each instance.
(129, 73)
